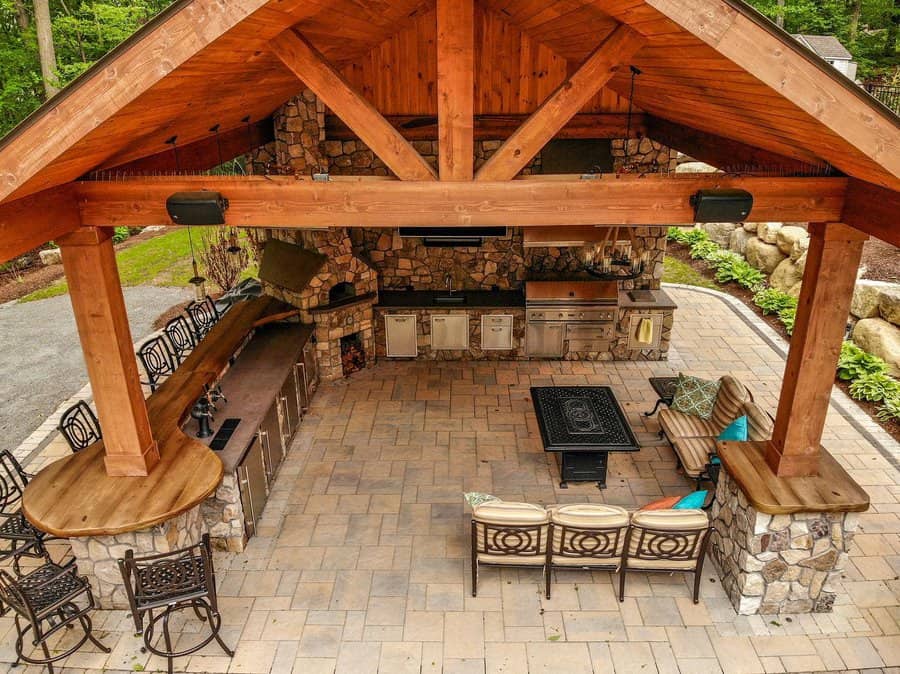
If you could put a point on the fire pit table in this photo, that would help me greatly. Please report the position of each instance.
(582, 424)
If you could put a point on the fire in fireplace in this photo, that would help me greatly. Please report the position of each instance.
(353, 355)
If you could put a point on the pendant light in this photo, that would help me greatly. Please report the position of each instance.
(196, 280)
(635, 71)
(234, 248)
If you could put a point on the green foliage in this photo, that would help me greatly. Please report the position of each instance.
(703, 250)
(787, 318)
(773, 301)
(738, 270)
(120, 234)
(854, 363)
(874, 387)
(676, 271)
(687, 237)
(889, 410)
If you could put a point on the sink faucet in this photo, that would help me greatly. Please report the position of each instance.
(449, 281)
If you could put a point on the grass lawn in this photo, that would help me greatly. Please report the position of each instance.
(163, 261)
(676, 271)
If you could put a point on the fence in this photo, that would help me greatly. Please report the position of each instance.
(889, 95)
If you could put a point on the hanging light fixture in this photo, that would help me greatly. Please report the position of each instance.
(173, 141)
(196, 280)
(635, 71)
(234, 248)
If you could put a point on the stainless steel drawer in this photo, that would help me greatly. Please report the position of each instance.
(592, 345)
(497, 320)
(590, 331)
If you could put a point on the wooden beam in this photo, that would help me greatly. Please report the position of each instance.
(561, 105)
(587, 126)
(33, 221)
(873, 210)
(582, 235)
(201, 155)
(456, 88)
(330, 86)
(723, 153)
(99, 306)
(787, 69)
(828, 280)
(280, 201)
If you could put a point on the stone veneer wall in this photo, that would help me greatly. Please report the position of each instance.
(342, 321)
(223, 515)
(777, 564)
(643, 156)
(97, 556)
(299, 132)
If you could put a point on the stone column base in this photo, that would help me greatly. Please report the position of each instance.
(96, 556)
(777, 563)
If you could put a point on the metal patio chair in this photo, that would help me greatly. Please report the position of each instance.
(158, 360)
(79, 426)
(203, 315)
(162, 584)
(181, 338)
(19, 538)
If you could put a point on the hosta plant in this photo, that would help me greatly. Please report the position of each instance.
(874, 387)
(773, 301)
(854, 362)
(889, 410)
(702, 250)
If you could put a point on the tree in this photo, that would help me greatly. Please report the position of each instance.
(46, 49)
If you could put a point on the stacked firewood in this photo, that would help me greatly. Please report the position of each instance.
(353, 357)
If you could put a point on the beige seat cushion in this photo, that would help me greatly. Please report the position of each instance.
(672, 519)
(692, 523)
(759, 422)
(729, 402)
(589, 516)
(694, 454)
(680, 425)
(510, 512)
(494, 546)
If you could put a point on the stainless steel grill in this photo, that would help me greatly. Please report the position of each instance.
(571, 316)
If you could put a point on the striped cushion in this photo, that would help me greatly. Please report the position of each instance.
(694, 454)
(759, 422)
(511, 533)
(729, 402)
(583, 548)
(691, 523)
(678, 425)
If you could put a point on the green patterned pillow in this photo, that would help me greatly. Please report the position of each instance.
(695, 396)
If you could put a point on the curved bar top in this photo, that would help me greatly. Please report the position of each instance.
(75, 497)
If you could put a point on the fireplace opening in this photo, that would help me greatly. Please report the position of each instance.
(341, 292)
(353, 355)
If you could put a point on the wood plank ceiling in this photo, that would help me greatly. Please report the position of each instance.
(386, 50)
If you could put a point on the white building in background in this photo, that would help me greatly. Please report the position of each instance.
(830, 48)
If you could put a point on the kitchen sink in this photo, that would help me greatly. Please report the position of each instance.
(449, 299)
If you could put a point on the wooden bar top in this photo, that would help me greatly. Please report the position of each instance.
(75, 497)
(833, 490)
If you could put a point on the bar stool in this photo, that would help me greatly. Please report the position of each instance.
(181, 338)
(203, 315)
(158, 360)
(173, 581)
(79, 426)
(19, 537)
(47, 600)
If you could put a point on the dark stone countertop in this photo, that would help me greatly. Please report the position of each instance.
(661, 301)
(390, 299)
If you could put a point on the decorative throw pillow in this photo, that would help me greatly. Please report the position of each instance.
(695, 396)
(662, 504)
(736, 430)
(691, 501)
(476, 498)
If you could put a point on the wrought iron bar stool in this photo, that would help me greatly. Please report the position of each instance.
(158, 360)
(169, 582)
(79, 426)
(181, 338)
(19, 537)
(45, 601)
(203, 315)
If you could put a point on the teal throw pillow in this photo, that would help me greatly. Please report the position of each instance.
(692, 501)
(736, 430)
(695, 396)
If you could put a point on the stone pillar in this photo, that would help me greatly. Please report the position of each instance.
(96, 556)
(773, 564)
(642, 155)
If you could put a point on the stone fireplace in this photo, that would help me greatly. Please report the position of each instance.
(353, 354)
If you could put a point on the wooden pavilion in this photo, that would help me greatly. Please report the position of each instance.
(717, 82)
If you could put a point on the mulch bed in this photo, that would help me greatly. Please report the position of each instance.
(878, 256)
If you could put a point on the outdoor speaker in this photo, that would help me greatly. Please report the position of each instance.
(722, 205)
(197, 208)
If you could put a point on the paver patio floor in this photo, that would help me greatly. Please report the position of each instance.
(361, 564)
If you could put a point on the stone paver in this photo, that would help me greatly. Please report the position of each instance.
(362, 563)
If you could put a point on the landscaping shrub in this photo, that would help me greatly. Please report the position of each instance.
(688, 237)
(874, 387)
(223, 268)
(701, 250)
(854, 363)
(787, 318)
(890, 410)
(773, 301)
(120, 234)
(738, 270)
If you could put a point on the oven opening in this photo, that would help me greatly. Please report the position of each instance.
(341, 292)
(353, 355)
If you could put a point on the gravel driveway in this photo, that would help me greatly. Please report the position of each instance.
(40, 357)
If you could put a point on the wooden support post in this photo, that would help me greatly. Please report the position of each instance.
(90, 264)
(831, 263)
(456, 88)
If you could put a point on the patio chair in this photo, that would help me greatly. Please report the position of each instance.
(181, 338)
(168, 583)
(586, 536)
(158, 360)
(79, 426)
(20, 539)
(759, 428)
(203, 315)
(48, 599)
(505, 533)
(668, 541)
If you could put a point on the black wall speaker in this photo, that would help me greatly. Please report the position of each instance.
(197, 208)
(722, 205)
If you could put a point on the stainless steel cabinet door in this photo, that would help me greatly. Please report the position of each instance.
(545, 339)
(290, 406)
(450, 331)
(270, 437)
(496, 332)
(400, 336)
(252, 483)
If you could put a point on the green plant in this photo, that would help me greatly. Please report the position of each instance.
(787, 318)
(741, 272)
(890, 409)
(854, 362)
(701, 250)
(773, 301)
(688, 237)
(874, 387)
(120, 234)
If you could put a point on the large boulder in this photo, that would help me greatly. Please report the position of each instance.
(695, 167)
(768, 231)
(51, 256)
(738, 240)
(787, 236)
(866, 298)
(889, 304)
(786, 277)
(879, 338)
(764, 256)
(799, 248)
(720, 232)
(751, 227)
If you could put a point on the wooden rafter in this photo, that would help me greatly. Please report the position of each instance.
(561, 106)
(330, 86)
(546, 200)
(873, 210)
(27, 223)
(456, 88)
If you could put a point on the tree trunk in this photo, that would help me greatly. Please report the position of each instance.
(779, 18)
(22, 17)
(855, 9)
(46, 49)
(890, 44)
